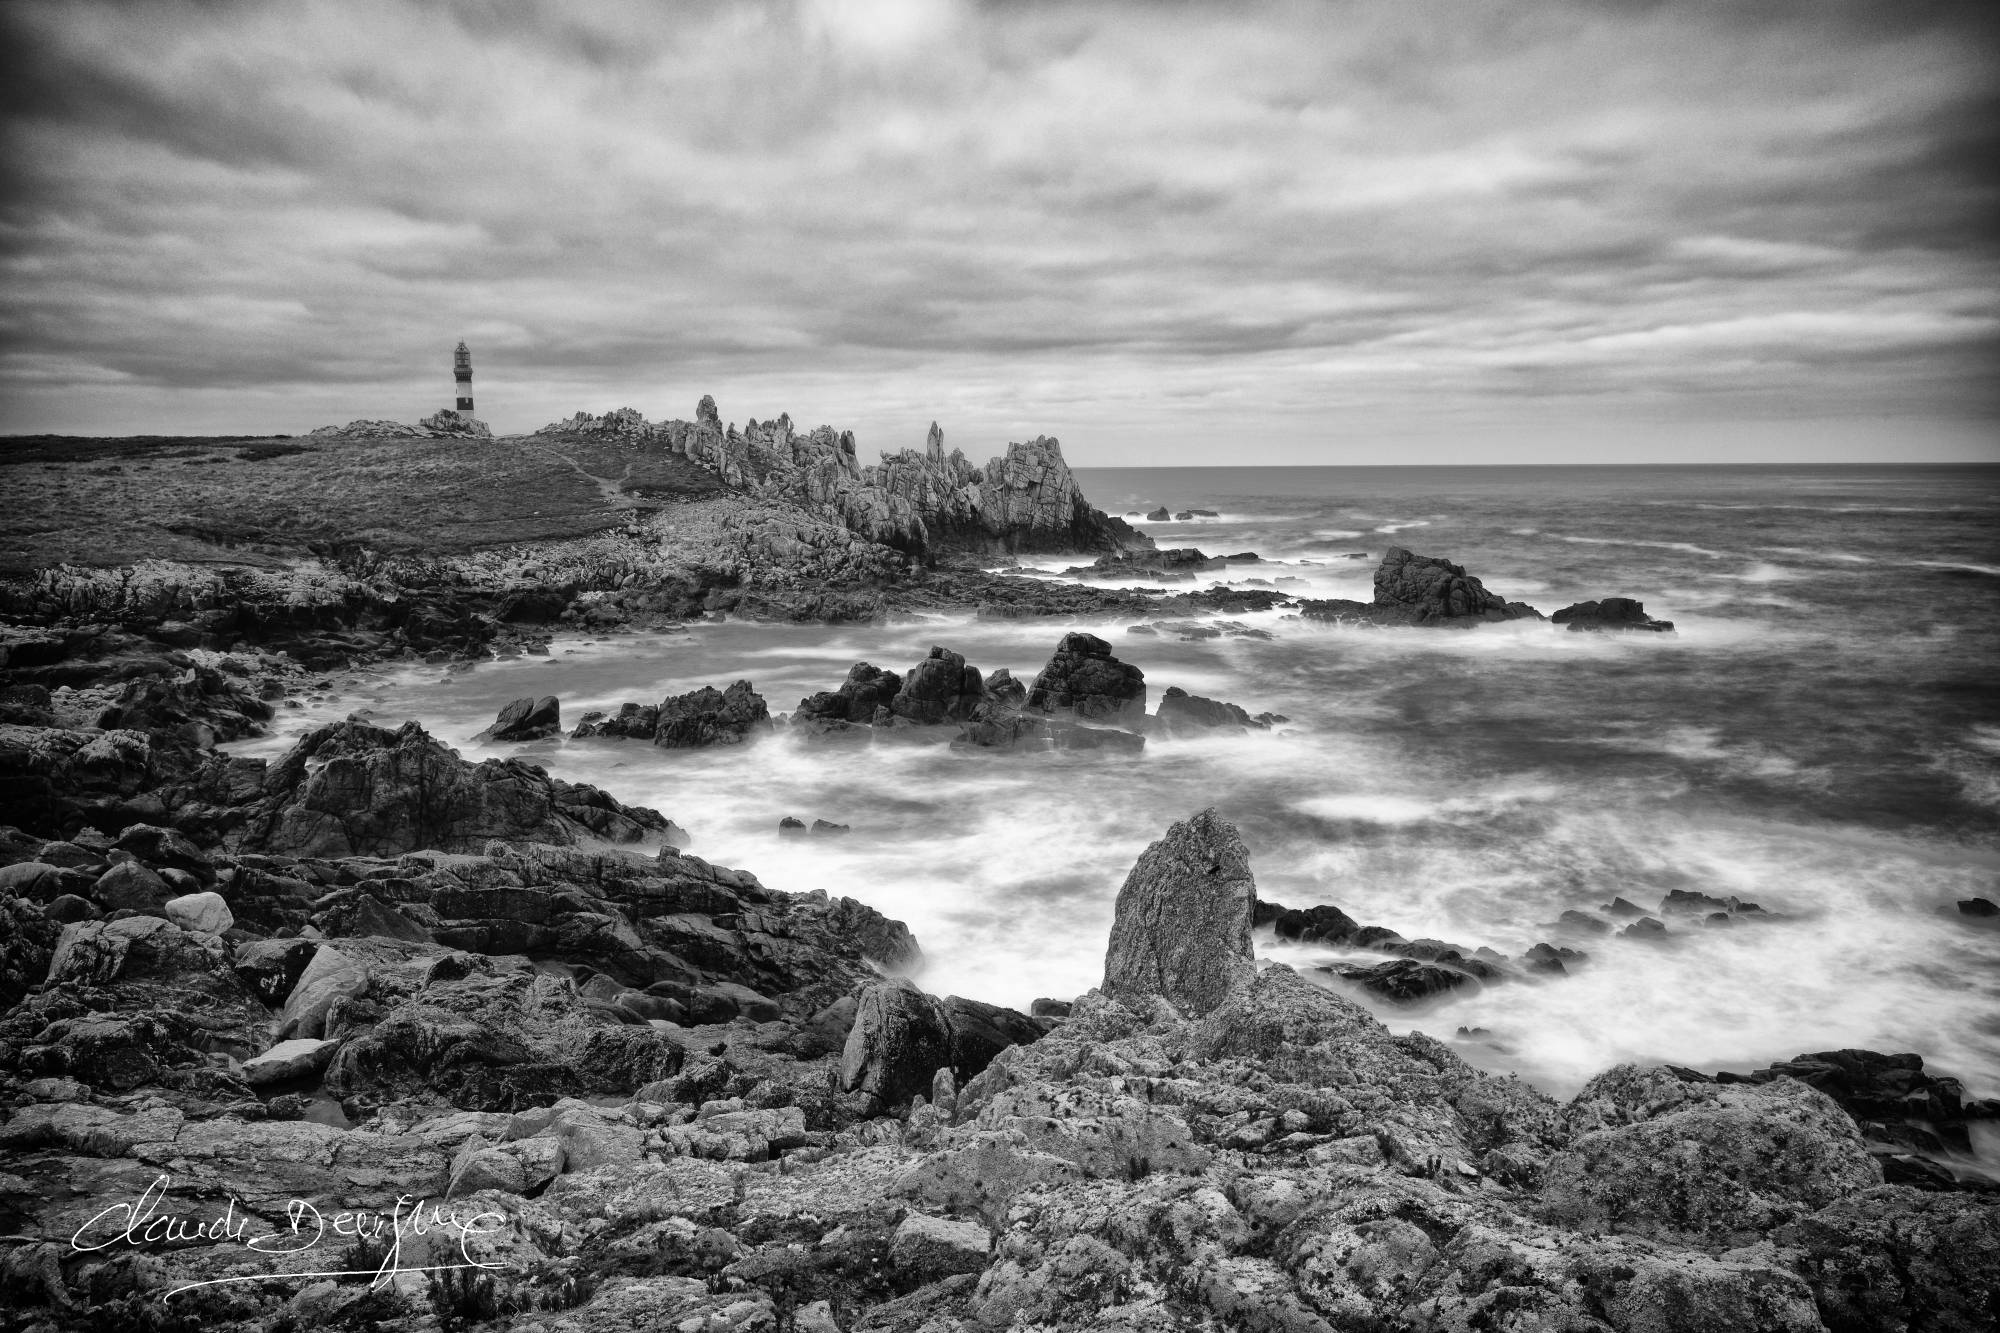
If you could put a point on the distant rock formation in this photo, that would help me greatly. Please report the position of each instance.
(920, 502)
(444, 422)
(1423, 590)
(1611, 613)
(1182, 924)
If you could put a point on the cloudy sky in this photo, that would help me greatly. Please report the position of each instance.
(1173, 232)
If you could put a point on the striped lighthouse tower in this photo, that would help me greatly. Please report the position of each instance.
(461, 376)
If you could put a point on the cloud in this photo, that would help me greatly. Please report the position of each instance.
(1149, 229)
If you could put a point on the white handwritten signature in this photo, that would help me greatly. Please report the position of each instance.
(141, 1222)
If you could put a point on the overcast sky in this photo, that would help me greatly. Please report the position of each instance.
(1166, 233)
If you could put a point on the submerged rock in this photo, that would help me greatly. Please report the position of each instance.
(1613, 613)
(1181, 928)
(1184, 714)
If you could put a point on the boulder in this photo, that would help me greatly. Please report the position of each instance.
(1702, 1162)
(1181, 928)
(899, 1040)
(205, 912)
(130, 886)
(272, 967)
(1085, 681)
(1160, 515)
(291, 1059)
(937, 1247)
(164, 849)
(526, 720)
(1613, 613)
(330, 976)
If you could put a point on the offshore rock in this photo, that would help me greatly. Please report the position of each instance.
(1413, 589)
(1182, 925)
(1612, 613)
(350, 789)
(1085, 681)
(708, 716)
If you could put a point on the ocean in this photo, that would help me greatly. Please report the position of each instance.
(1820, 735)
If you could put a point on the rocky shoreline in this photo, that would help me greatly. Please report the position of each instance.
(658, 1093)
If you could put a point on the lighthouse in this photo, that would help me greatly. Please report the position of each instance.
(461, 377)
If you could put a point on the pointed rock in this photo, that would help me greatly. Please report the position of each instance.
(1182, 924)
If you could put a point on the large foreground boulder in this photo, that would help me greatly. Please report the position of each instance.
(1676, 1158)
(1182, 928)
(351, 789)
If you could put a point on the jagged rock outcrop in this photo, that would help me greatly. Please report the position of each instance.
(1085, 681)
(862, 699)
(922, 502)
(349, 789)
(1613, 613)
(941, 689)
(1413, 589)
(709, 716)
(1182, 924)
